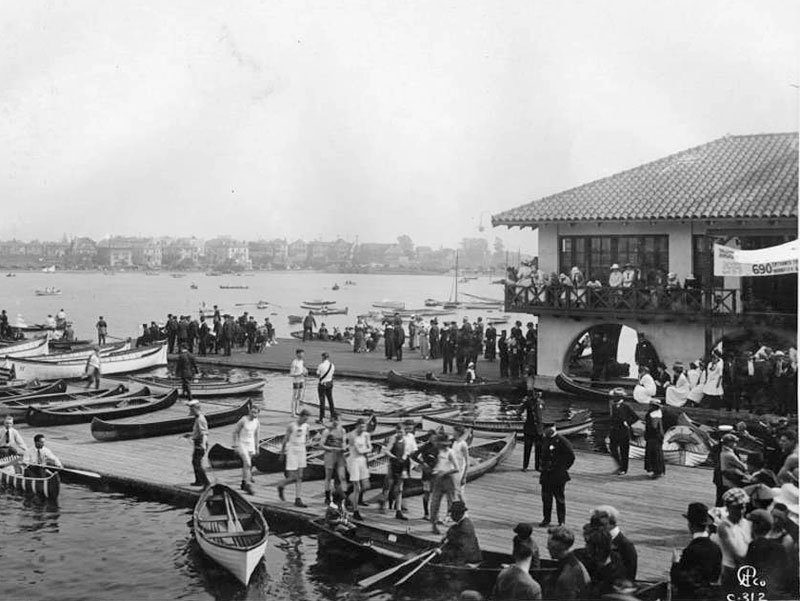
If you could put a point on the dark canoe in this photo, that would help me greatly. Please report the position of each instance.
(21, 391)
(385, 417)
(202, 388)
(452, 385)
(17, 407)
(580, 422)
(113, 408)
(484, 456)
(144, 426)
(598, 391)
(299, 335)
(47, 486)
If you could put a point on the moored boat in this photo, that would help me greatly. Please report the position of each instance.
(113, 408)
(145, 426)
(47, 485)
(389, 304)
(299, 335)
(580, 422)
(115, 363)
(394, 378)
(325, 310)
(201, 388)
(83, 354)
(230, 530)
(17, 407)
(25, 348)
(48, 292)
(318, 302)
(395, 416)
(23, 389)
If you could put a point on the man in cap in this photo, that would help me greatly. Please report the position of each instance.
(186, 369)
(694, 571)
(325, 386)
(622, 418)
(557, 458)
(733, 535)
(732, 472)
(199, 437)
(460, 544)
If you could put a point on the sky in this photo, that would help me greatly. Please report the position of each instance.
(364, 119)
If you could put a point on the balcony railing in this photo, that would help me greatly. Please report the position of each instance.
(634, 301)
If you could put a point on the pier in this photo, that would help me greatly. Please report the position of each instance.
(650, 510)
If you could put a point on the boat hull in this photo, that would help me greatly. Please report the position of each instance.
(579, 423)
(394, 378)
(126, 407)
(26, 348)
(47, 486)
(117, 363)
(202, 389)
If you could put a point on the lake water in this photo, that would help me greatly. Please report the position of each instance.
(96, 545)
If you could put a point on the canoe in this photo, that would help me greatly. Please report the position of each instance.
(230, 530)
(48, 292)
(17, 407)
(21, 390)
(484, 456)
(113, 408)
(579, 423)
(116, 363)
(223, 287)
(324, 310)
(318, 303)
(46, 486)
(83, 354)
(394, 378)
(201, 388)
(299, 335)
(387, 304)
(393, 417)
(25, 348)
(145, 426)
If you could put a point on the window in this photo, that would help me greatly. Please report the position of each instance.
(594, 255)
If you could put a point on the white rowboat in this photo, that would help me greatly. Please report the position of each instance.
(116, 363)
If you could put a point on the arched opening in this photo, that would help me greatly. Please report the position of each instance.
(603, 352)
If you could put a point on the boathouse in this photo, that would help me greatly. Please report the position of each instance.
(663, 218)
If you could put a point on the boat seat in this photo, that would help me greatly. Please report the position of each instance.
(232, 534)
(224, 518)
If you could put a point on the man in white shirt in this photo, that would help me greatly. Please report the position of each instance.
(298, 373)
(11, 441)
(461, 455)
(40, 457)
(325, 386)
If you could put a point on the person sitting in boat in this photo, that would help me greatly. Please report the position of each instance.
(69, 333)
(61, 319)
(11, 441)
(336, 514)
(678, 392)
(645, 390)
(460, 544)
(39, 457)
(322, 333)
(471, 377)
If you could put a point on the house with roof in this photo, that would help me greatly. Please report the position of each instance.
(662, 218)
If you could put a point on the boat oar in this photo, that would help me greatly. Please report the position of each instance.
(367, 582)
(234, 525)
(405, 578)
(67, 470)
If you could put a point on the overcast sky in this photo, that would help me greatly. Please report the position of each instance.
(363, 118)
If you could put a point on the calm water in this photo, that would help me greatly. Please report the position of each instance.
(96, 545)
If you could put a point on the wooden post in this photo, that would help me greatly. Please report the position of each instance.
(708, 292)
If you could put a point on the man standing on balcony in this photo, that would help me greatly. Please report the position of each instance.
(629, 278)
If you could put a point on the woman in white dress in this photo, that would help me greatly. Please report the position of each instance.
(645, 390)
(424, 342)
(245, 440)
(678, 392)
(712, 389)
(697, 379)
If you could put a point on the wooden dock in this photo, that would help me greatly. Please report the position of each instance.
(650, 510)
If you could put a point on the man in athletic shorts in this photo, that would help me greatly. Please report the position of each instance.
(294, 450)
(359, 445)
(333, 442)
(426, 456)
(298, 373)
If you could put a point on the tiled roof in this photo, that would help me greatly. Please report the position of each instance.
(731, 178)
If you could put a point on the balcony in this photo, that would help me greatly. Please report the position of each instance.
(722, 306)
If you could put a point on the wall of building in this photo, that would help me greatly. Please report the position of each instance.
(674, 340)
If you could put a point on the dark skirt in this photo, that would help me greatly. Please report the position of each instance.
(654, 457)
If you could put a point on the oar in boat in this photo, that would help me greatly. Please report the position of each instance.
(234, 525)
(68, 470)
(367, 582)
(424, 562)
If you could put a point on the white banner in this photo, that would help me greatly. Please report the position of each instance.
(775, 260)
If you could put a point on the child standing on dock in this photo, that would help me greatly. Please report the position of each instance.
(298, 373)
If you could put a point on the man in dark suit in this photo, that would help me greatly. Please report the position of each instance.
(532, 429)
(557, 457)
(698, 567)
(607, 517)
(622, 417)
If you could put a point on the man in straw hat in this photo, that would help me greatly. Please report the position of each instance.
(460, 543)
(734, 534)
(694, 571)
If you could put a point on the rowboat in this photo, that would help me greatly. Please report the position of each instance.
(116, 363)
(579, 423)
(67, 345)
(318, 303)
(144, 426)
(299, 335)
(224, 287)
(47, 486)
(113, 408)
(201, 388)
(25, 348)
(17, 407)
(416, 313)
(83, 354)
(394, 378)
(324, 310)
(484, 456)
(395, 416)
(48, 292)
(24, 389)
(230, 530)
(388, 304)
(681, 446)
(262, 304)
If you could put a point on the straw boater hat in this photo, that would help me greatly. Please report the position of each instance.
(615, 266)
